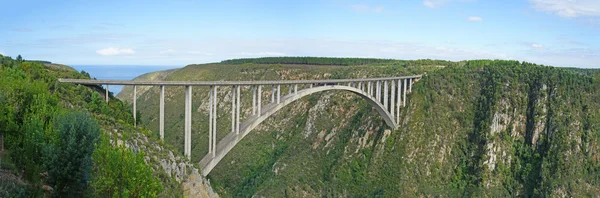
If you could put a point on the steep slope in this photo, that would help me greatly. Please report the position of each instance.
(476, 128)
(29, 91)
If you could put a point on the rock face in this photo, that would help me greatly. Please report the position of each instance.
(163, 160)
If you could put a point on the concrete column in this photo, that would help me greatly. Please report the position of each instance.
(188, 122)
(278, 93)
(259, 95)
(253, 100)
(237, 113)
(233, 109)
(378, 90)
(106, 96)
(385, 94)
(214, 138)
(374, 89)
(272, 93)
(369, 88)
(410, 82)
(360, 85)
(296, 89)
(398, 102)
(404, 94)
(210, 118)
(134, 106)
(311, 85)
(393, 98)
(290, 90)
(161, 122)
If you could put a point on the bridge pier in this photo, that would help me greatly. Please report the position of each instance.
(106, 95)
(188, 122)
(378, 90)
(404, 93)
(237, 115)
(295, 88)
(409, 85)
(278, 94)
(233, 109)
(398, 103)
(253, 100)
(272, 93)
(134, 106)
(259, 95)
(214, 122)
(210, 118)
(385, 94)
(368, 88)
(161, 122)
(393, 99)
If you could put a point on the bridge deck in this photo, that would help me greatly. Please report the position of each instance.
(225, 83)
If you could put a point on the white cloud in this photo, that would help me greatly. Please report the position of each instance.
(367, 8)
(200, 53)
(112, 51)
(434, 3)
(568, 8)
(537, 46)
(440, 3)
(474, 19)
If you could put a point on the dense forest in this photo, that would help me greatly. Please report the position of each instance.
(334, 61)
(53, 142)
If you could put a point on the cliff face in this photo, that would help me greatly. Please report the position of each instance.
(486, 128)
(503, 128)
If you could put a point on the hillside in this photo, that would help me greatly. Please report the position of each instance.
(473, 128)
(126, 93)
(42, 157)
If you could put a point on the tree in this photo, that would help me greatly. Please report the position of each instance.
(19, 58)
(69, 160)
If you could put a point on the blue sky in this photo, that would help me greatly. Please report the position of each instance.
(552, 32)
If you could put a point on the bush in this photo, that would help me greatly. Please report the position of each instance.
(119, 172)
(69, 160)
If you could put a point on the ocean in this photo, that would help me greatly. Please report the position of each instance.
(119, 72)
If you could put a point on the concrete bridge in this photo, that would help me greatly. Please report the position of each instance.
(386, 95)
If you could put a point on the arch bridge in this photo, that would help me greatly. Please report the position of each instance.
(386, 95)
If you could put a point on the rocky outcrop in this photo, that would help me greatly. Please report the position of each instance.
(163, 161)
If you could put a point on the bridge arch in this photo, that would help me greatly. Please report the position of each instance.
(231, 139)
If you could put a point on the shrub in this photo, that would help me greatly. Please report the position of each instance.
(69, 160)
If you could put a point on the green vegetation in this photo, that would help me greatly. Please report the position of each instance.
(69, 159)
(473, 128)
(477, 128)
(333, 61)
(121, 173)
(49, 143)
